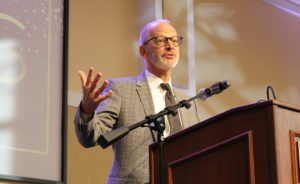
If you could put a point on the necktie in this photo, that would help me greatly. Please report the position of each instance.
(174, 121)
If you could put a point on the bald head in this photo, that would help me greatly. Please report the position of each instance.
(145, 32)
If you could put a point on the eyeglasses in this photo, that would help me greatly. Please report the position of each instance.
(161, 41)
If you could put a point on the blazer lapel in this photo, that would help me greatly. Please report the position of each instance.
(143, 91)
(188, 116)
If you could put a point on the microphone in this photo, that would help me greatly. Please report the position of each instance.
(216, 88)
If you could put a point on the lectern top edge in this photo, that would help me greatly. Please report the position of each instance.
(238, 109)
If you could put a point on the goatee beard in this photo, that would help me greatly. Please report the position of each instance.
(164, 65)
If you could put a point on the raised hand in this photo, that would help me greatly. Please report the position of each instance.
(91, 93)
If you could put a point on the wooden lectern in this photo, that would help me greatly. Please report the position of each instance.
(257, 143)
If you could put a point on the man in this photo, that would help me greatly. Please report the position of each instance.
(123, 102)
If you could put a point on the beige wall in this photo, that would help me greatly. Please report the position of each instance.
(250, 43)
(86, 165)
(102, 34)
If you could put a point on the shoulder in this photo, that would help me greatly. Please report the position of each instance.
(142, 76)
(122, 84)
(123, 80)
(128, 80)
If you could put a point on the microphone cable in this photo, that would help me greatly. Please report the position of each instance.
(269, 87)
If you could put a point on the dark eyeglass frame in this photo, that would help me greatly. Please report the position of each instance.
(166, 39)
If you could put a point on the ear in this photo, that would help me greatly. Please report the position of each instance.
(142, 50)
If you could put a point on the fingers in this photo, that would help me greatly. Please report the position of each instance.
(89, 85)
(82, 77)
(101, 89)
(101, 98)
(95, 81)
(90, 77)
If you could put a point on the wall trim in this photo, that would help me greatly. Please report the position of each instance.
(74, 98)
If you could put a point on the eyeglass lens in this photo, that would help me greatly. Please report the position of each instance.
(162, 41)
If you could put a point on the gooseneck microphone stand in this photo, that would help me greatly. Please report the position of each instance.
(109, 138)
(159, 127)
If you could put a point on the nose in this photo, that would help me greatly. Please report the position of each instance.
(169, 43)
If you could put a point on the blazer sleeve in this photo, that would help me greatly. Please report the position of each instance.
(89, 129)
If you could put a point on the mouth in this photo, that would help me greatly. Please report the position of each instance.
(169, 56)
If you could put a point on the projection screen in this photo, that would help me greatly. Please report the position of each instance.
(32, 90)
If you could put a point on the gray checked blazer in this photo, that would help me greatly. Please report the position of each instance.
(130, 102)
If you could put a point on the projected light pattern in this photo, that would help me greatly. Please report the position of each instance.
(24, 42)
(30, 50)
(9, 76)
(224, 40)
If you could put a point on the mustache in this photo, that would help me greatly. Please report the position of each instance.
(166, 53)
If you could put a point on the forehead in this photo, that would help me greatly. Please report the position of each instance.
(162, 29)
